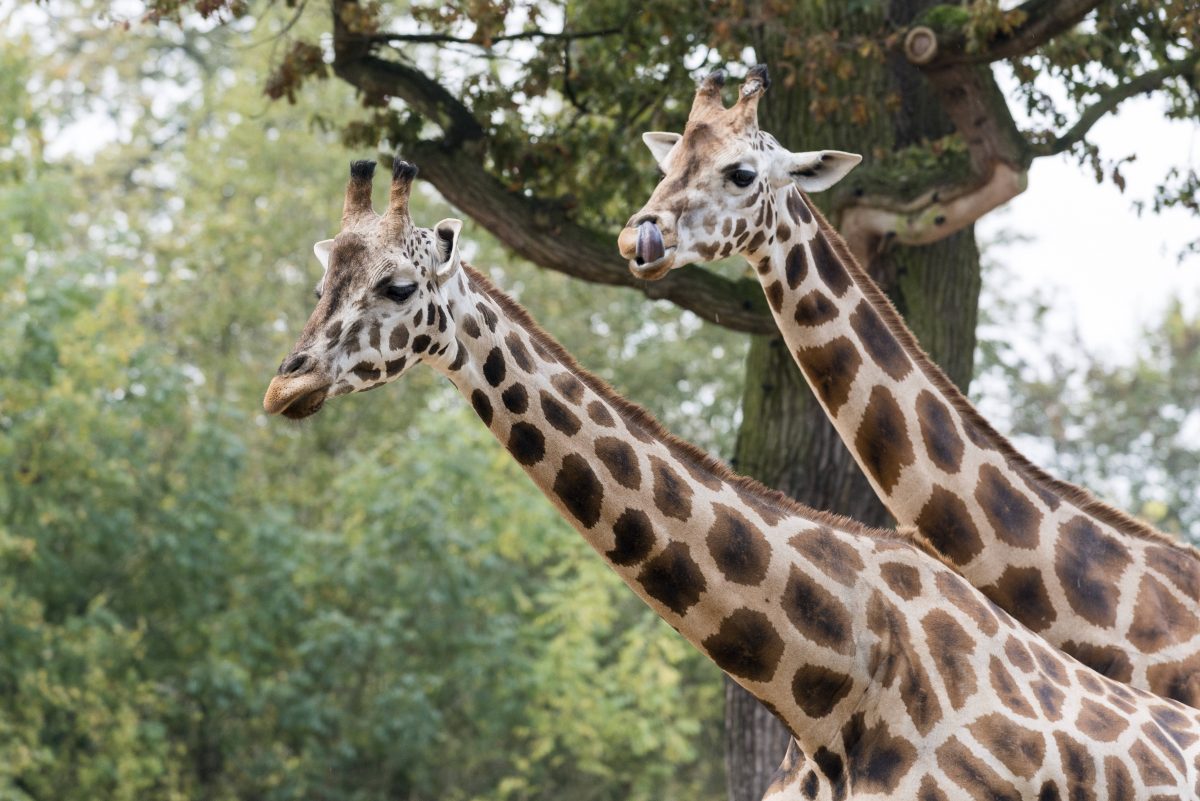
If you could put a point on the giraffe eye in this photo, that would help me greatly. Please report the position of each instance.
(399, 292)
(742, 178)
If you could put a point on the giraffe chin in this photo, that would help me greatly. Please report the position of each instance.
(654, 270)
(296, 398)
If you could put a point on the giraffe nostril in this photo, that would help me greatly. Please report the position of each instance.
(295, 364)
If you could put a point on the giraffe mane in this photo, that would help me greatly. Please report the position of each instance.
(1078, 497)
(686, 451)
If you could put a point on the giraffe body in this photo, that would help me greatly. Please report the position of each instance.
(1092, 581)
(897, 676)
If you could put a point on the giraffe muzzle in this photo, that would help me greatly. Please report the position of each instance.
(296, 396)
(652, 259)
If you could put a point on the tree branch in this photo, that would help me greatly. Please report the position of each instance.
(940, 43)
(538, 231)
(440, 38)
(1108, 102)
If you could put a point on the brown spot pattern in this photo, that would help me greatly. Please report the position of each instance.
(1100, 722)
(815, 309)
(942, 443)
(905, 580)
(1013, 517)
(796, 265)
(831, 369)
(829, 267)
(738, 547)
(877, 759)
(817, 689)
(1022, 593)
(973, 775)
(634, 537)
(816, 613)
(1089, 563)
(824, 549)
(579, 490)
(1019, 749)
(526, 444)
(1159, 619)
(672, 495)
(951, 648)
(746, 646)
(673, 578)
(558, 415)
(946, 523)
(882, 439)
(879, 342)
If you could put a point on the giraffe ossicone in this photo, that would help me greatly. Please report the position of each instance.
(1094, 582)
(894, 674)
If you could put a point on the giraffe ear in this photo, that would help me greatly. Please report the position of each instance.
(820, 169)
(322, 250)
(660, 144)
(447, 232)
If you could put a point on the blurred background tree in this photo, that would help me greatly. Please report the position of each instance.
(199, 604)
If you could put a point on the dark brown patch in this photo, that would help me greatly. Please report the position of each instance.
(686, 458)
(893, 659)
(942, 443)
(1022, 593)
(366, 371)
(526, 444)
(493, 367)
(489, 317)
(796, 265)
(877, 759)
(815, 309)
(905, 580)
(393, 367)
(673, 578)
(1079, 767)
(831, 369)
(973, 775)
(740, 550)
(817, 689)
(634, 538)
(817, 614)
(834, 769)
(482, 406)
(829, 266)
(620, 460)
(958, 592)
(515, 398)
(826, 550)
(769, 512)
(569, 387)
(1179, 680)
(375, 335)
(1049, 698)
(1166, 746)
(746, 646)
(1159, 619)
(1107, 660)
(334, 331)
(1120, 783)
(1089, 563)
(879, 342)
(1100, 722)
(578, 488)
(600, 414)
(929, 790)
(559, 415)
(520, 353)
(1149, 766)
(951, 648)
(1180, 566)
(1019, 749)
(672, 495)
(1007, 689)
(470, 326)
(774, 294)
(796, 207)
(946, 523)
(882, 440)
(1013, 517)
(1018, 655)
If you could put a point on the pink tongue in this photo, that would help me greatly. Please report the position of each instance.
(649, 243)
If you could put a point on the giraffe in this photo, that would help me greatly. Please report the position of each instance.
(895, 674)
(1105, 588)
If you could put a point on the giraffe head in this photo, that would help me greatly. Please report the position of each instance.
(721, 182)
(381, 303)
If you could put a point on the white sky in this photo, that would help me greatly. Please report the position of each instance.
(1111, 271)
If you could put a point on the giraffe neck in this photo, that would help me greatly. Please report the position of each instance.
(748, 576)
(1083, 575)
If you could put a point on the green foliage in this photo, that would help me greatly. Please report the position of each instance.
(200, 603)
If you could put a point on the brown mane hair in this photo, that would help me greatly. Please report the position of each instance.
(754, 491)
(1075, 496)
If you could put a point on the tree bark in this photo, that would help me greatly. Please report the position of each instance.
(785, 439)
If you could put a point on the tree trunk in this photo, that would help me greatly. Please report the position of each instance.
(785, 440)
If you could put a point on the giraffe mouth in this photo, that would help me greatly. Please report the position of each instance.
(653, 270)
(296, 397)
